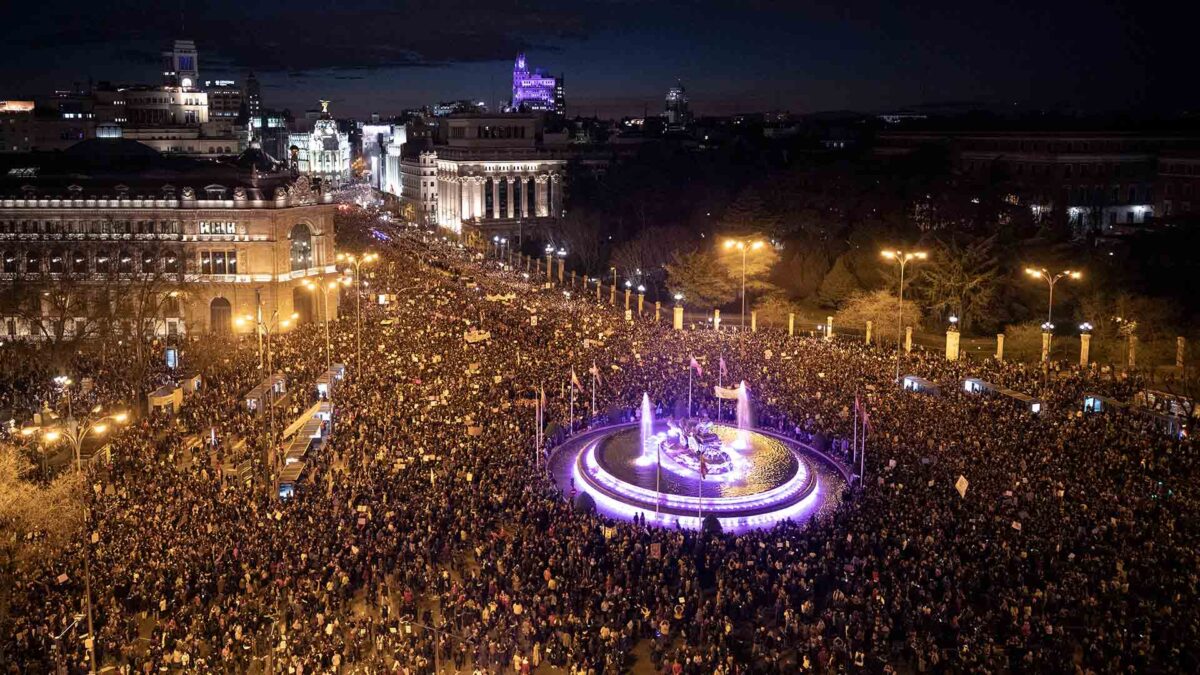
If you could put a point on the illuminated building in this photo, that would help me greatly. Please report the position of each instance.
(181, 67)
(106, 215)
(381, 145)
(224, 99)
(535, 91)
(252, 96)
(678, 115)
(324, 152)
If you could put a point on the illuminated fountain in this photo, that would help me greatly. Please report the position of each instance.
(677, 472)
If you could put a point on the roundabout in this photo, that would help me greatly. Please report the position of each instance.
(680, 472)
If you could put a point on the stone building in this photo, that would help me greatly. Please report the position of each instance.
(110, 218)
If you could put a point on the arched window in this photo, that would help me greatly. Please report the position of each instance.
(301, 238)
(10, 262)
(148, 262)
(220, 316)
(124, 262)
(79, 262)
(103, 262)
(33, 261)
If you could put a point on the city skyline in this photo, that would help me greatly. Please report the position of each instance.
(620, 58)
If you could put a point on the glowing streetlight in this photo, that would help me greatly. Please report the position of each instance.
(1051, 279)
(903, 258)
(745, 246)
(357, 263)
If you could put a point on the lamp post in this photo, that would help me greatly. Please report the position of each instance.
(268, 328)
(76, 431)
(562, 264)
(745, 246)
(641, 298)
(357, 262)
(325, 289)
(1051, 280)
(408, 623)
(902, 257)
(549, 263)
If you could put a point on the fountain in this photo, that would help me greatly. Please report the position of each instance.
(648, 445)
(744, 420)
(652, 468)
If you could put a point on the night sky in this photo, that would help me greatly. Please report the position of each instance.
(620, 55)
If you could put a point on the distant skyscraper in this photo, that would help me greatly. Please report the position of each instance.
(181, 68)
(535, 90)
(678, 115)
(252, 95)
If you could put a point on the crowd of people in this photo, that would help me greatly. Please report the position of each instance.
(427, 536)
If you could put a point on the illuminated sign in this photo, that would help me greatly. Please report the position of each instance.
(218, 228)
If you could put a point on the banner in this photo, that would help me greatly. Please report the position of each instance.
(726, 392)
(473, 336)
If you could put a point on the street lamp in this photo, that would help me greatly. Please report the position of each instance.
(1051, 280)
(75, 432)
(902, 257)
(745, 246)
(325, 289)
(357, 262)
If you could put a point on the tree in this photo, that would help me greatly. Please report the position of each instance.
(700, 279)
(960, 280)
(749, 213)
(37, 521)
(880, 309)
(579, 233)
(773, 309)
(838, 285)
(650, 251)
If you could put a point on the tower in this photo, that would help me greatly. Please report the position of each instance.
(181, 66)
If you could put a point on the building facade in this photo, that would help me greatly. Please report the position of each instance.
(535, 91)
(1102, 181)
(323, 153)
(210, 242)
(677, 113)
(485, 175)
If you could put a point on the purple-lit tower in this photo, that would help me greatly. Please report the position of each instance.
(535, 90)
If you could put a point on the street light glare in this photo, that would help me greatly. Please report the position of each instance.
(888, 254)
(52, 435)
(756, 245)
(100, 428)
(28, 431)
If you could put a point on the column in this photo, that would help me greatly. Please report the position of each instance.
(477, 188)
(464, 198)
(716, 319)
(829, 328)
(952, 345)
(791, 324)
(495, 197)
(677, 317)
(657, 311)
(999, 346)
(908, 339)
(1085, 346)
(542, 208)
(523, 181)
(556, 197)
(753, 321)
(869, 326)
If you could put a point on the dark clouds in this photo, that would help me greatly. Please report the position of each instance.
(622, 54)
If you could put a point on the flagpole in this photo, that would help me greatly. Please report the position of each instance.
(862, 458)
(593, 390)
(720, 382)
(657, 476)
(854, 443)
(572, 424)
(689, 390)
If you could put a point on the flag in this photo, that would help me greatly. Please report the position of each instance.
(703, 467)
(866, 419)
(575, 381)
(595, 372)
(694, 365)
(723, 371)
(542, 398)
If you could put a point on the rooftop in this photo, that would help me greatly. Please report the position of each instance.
(115, 169)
